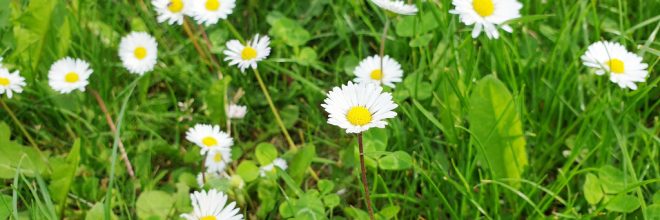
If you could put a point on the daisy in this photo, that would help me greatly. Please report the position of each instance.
(625, 68)
(211, 206)
(369, 71)
(396, 6)
(69, 74)
(172, 11)
(209, 137)
(138, 52)
(486, 14)
(236, 111)
(249, 54)
(279, 162)
(217, 159)
(10, 83)
(210, 11)
(358, 107)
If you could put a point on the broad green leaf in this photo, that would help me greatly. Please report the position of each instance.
(214, 98)
(331, 200)
(653, 211)
(154, 203)
(267, 193)
(409, 25)
(398, 160)
(309, 206)
(5, 206)
(42, 32)
(64, 172)
(265, 153)
(356, 213)
(656, 197)
(96, 213)
(592, 190)
(375, 143)
(248, 170)
(13, 154)
(287, 30)
(306, 57)
(182, 198)
(389, 212)
(612, 179)
(496, 127)
(325, 186)
(623, 203)
(301, 162)
(290, 115)
(421, 41)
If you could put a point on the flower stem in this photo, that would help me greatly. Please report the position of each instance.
(274, 110)
(108, 118)
(234, 31)
(364, 177)
(20, 125)
(383, 38)
(188, 30)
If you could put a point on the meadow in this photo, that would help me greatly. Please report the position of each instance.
(514, 127)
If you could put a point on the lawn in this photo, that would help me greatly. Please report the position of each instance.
(515, 127)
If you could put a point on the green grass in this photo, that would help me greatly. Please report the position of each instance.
(562, 105)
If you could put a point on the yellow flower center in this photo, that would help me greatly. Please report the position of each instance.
(208, 217)
(209, 141)
(71, 77)
(212, 5)
(359, 116)
(616, 66)
(140, 53)
(217, 157)
(377, 74)
(4, 81)
(248, 53)
(484, 8)
(175, 6)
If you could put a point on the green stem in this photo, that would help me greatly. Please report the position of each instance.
(234, 31)
(274, 110)
(364, 177)
(20, 125)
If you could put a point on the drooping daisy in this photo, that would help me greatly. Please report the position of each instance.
(138, 52)
(358, 107)
(396, 6)
(10, 83)
(247, 55)
(278, 162)
(369, 71)
(172, 11)
(487, 15)
(211, 206)
(236, 111)
(625, 68)
(209, 12)
(217, 159)
(208, 137)
(69, 74)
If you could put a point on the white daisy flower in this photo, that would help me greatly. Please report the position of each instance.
(209, 137)
(358, 107)
(172, 11)
(247, 55)
(278, 162)
(211, 206)
(396, 6)
(487, 15)
(236, 111)
(369, 71)
(10, 83)
(138, 52)
(69, 74)
(217, 159)
(209, 12)
(625, 68)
